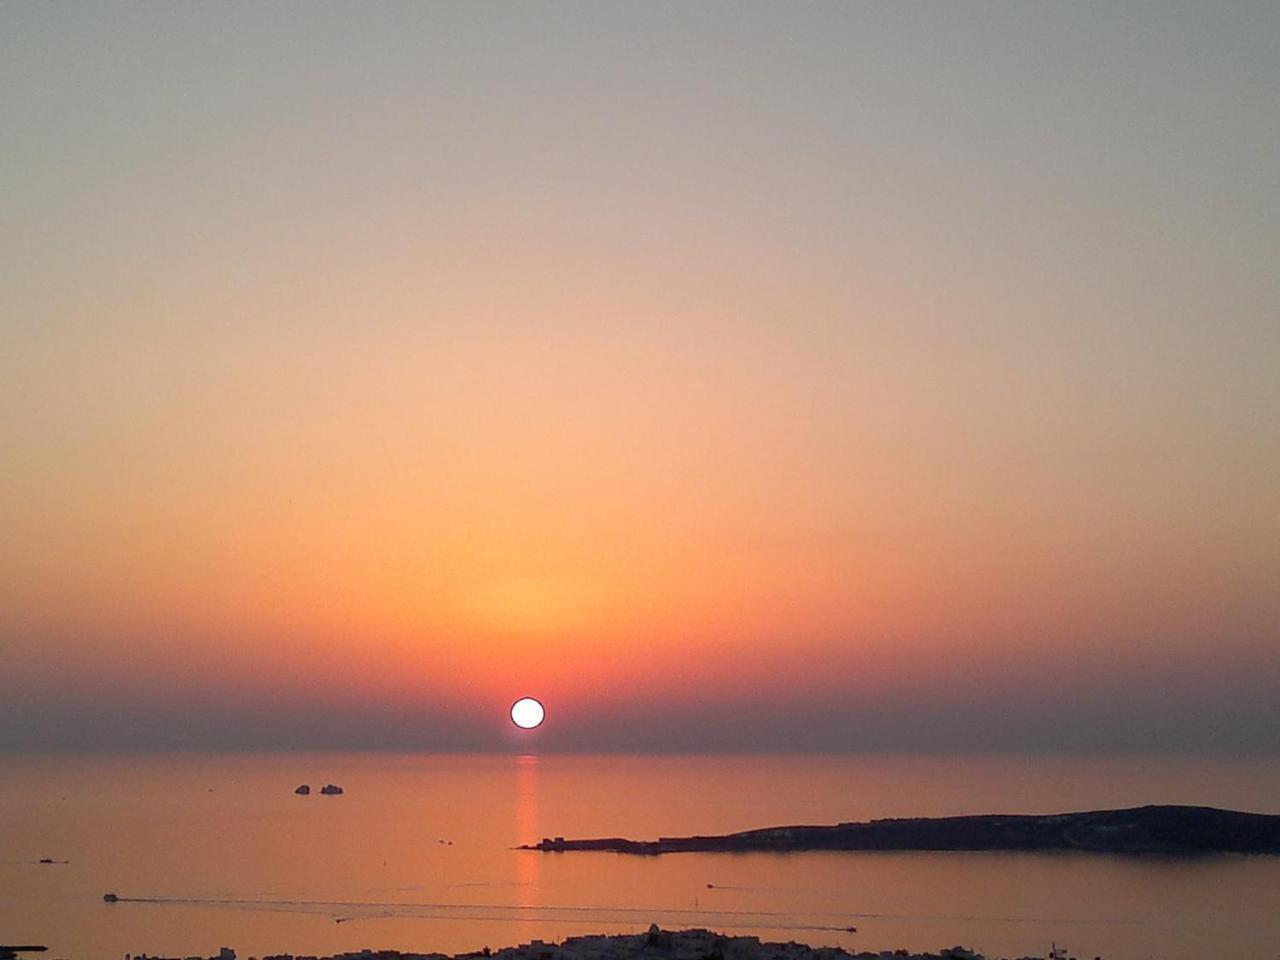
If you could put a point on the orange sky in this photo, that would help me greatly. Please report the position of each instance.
(428, 362)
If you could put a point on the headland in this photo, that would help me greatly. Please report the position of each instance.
(1173, 830)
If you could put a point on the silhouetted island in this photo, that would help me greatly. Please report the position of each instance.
(1152, 829)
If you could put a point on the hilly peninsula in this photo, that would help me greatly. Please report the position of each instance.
(1138, 830)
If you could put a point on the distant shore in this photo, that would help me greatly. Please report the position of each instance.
(656, 944)
(1173, 830)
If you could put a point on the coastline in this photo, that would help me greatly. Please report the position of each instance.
(656, 944)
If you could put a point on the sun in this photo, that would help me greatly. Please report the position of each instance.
(527, 713)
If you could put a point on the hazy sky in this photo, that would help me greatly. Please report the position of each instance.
(765, 376)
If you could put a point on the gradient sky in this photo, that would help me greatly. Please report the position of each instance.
(731, 376)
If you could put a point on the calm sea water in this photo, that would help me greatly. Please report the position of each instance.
(418, 854)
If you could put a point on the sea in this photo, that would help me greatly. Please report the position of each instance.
(420, 853)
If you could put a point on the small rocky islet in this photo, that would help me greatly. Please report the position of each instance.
(328, 790)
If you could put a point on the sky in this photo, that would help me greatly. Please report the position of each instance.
(730, 376)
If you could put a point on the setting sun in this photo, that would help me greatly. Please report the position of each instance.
(527, 713)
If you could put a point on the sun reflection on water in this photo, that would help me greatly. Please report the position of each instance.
(528, 863)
